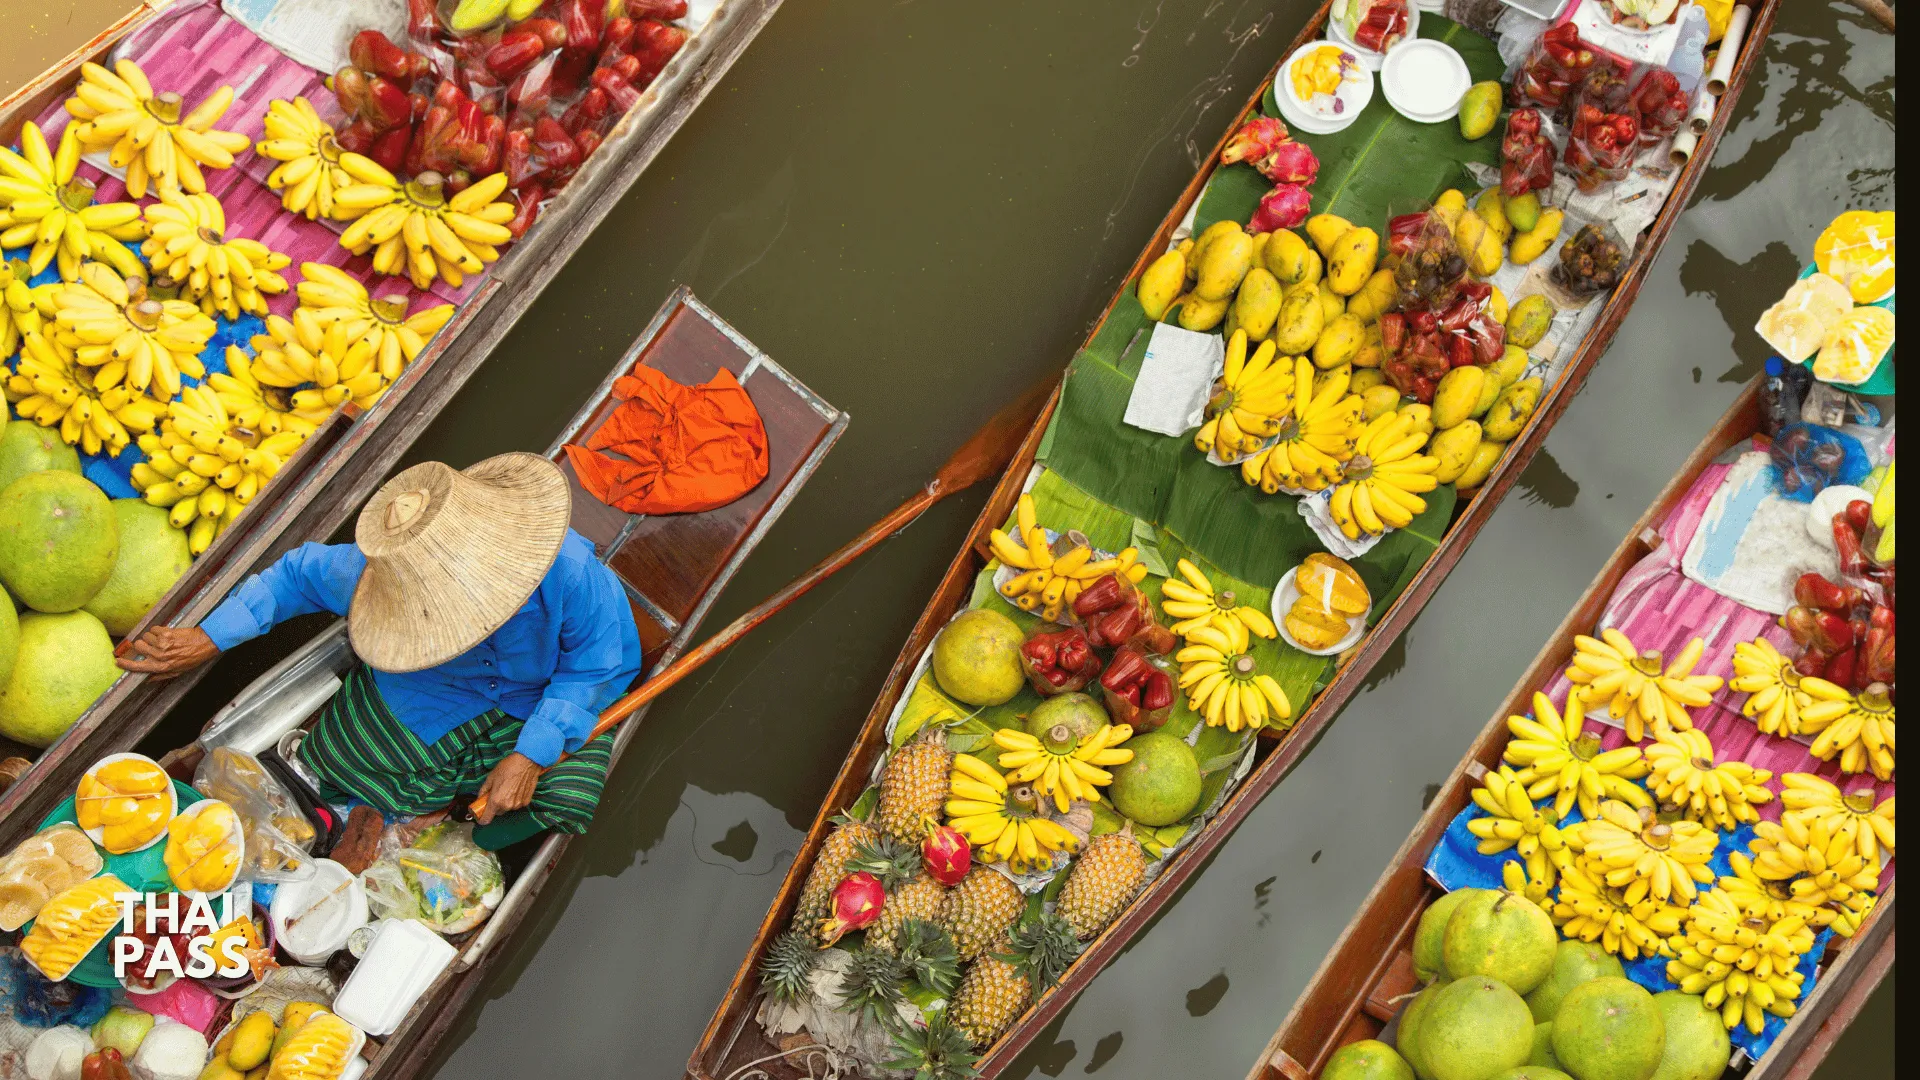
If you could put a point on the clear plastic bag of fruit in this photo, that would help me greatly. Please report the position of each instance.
(1591, 262)
(278, 838)
(1603, 137)
(1662, 105)
(441, 878)
(1427, 265)
(1554, 68)
(1812, 458)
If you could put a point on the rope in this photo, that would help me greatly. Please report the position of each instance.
(836, 1063)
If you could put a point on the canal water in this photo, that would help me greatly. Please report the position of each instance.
(919, 209)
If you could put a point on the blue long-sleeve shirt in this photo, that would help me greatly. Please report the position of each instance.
(564, 656)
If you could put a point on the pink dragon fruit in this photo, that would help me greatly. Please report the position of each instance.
(1285, 207)
(1255, 140)
(1290, 163)
(857, 901)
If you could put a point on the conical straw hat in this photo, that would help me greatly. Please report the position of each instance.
(452, 555)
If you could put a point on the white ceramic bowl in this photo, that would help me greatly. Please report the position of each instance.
(1355, 92)
(1285, 593)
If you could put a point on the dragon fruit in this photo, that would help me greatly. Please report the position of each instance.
(857, 901)
(1285, 207)
(1257, 139)
(945, 854)
(1290, 163)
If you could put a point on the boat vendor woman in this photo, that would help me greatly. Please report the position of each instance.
(489, 636)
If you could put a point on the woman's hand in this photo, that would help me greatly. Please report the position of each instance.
(166, 651)
(508, 787)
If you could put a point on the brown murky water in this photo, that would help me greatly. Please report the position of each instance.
(919, 208)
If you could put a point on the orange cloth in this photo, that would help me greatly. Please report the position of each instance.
(682, 448)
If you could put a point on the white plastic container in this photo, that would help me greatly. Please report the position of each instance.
(312, 919)
(401, 962)
(1424, 80)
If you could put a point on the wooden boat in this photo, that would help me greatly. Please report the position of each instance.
(1358, 987)
(673, 567)
(733, 1038)
(341, 464)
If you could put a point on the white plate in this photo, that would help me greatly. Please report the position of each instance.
(1357, 92)
(1418, 74)
(1285, 593)
(173, 803)
(1337, 33)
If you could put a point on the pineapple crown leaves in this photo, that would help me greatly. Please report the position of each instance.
(787, 971)
(929, 954)
(891, 860)
(1043, 946)
(872, 985)
(939, 1051)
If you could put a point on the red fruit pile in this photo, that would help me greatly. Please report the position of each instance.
(1601, 146)
(1422, 345)
(1526, 156)
(1264, 143)
(1847, 630)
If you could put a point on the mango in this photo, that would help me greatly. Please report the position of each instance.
(218, 1069)
(1300, 322)
(1480, 109)
(1260, 241)
(1507, 370)
(1315, 268)
(1422, 416)
(1497, 304)
(1375, 297)
(1332, 304)
(1352, 260)
(1492, 210)
(1454, 447)
(1485, 457)
(1515, 405)
(1201, 315)
(1449, 206)
(1490, 388)
(1324, 229)
(1185, 250)
(251, 1041)
(1200, 243)
(1455, 397)
(1523, 211)
(299, 1012)
(1340, 342)
(1285, 256)
(1223, 264)
(1529, 320)
(1377, 400)
(1533, 243)
(1257, 304)
(1365, 379)
(1373, 352)
(1160, 284)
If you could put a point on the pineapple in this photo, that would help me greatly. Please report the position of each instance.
(913, 786)
(1102, 881)
(816, 897)
(893, 862)
(938, 1051)
(918, 899)
(998, 988)
(928, 953)
(787, 971)
(979, 911)
(872, 985)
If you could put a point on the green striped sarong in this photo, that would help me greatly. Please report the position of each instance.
(361, 750)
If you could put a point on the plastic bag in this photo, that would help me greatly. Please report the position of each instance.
(1428, 268)
(278, 836)
(1526, 154)
(1591, 262)
(1662, 105)
(1603, 136)
(1811, 458)
(442, 879)
(1556, 65)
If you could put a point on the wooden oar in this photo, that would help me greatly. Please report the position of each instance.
(981, 457)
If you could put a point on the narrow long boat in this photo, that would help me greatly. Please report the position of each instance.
(1363, 982)
(353, 451)
(733, 1040)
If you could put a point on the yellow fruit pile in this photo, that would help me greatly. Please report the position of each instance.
(205, 468)
(1740, 958)
(71, 924)
(1513, 822)
(321, 357)
(50, 386)
(393, 336)
(1555, 759)
(1048, 584)
(1858, 730)
(415, 229)
(45, 206)
(225, 275)
(114, 327)
(1635, 685)
(40, 867)
(1777, 694)
(309, 172)
(1629, 849)
(145, 132)
(1194, 602)
(1808, 798)
(1062, 766)
(1223, 682)
(1588, 909)
(1004, 824)
(1246, 410)
(1313, 441)
(1720, 795)
(1384, 478)
(1331, 594)
(318, 1049)
(129, 800)
(19, 315)
(203, 847)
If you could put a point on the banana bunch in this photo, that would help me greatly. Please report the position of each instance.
(1195, 602)
(1048, 584)
(1384, 478)
(1819, 866)
(205, 468)
(1222, 681)
(1807, 798)
(415, 229)
(112, 325)
(52, 388)
(1631, 850)
(1002, 824)
(1719, 795)
(1589, 909)
(1315, 438)
(268, 410)
(1777, 694)
(309, 171)
(1254, 394)
(1553, 758)
(1061, 765)
(394, 336)
(1741, 962)
(1513, 822)
(1858, 729)
(145, 133)
(1636, 688)
(1515, 879)
(188, 242)
(44, 204)
(19, 316)
(329, 368)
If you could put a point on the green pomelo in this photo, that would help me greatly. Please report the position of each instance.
(1574, 962)
(65, 662)
(27, 447)
(1081, 715)
(1533, 1072)
(58, 540)
(1501, 934)
(1407, 1039)
(1543, 1047)
(153, 555)
(1161, 784)
(1369, 1059)
(976, 658)
(1609, 1029)
(1697, 1045)
(1433, 928)
(1476, 1029)
(9, 636)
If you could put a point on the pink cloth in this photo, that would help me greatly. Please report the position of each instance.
(186, 1001)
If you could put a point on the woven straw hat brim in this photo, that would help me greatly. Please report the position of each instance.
(451, 556)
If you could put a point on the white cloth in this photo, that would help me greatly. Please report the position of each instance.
(1170, 393)
(1314, 509)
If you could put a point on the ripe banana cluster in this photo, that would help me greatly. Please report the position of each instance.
(268, 410)
(113, 326)
(1739, 960)
(1636, 688)
(328, 367)
(19, 312)
(1553, 758)
(1223, 683)
(1819, 866)
(1513, 822)
(1048, 584)
(1808, 798)
(415, 229)
(1720, 795)
(146, 134)
(205, 468)
(1859, 730)
(226, 275)
(1315, 438)
(1514, 877)
(394, 336)
(1254, 395)
(1779, 899)
(1066, 769)
(1385, 477)
(1589, 909)
(1777, 694)
(43, 204)
(1000, 828)
(50, 387)
(1629, 849)
(1194, 602)
(309, 171)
